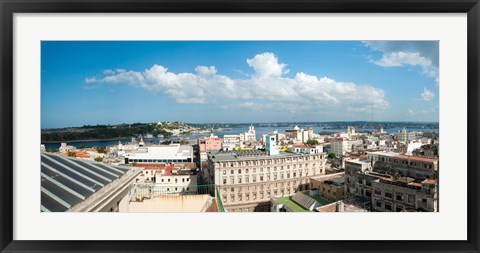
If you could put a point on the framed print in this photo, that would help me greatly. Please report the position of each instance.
(261, 125)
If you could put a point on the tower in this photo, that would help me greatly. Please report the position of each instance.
(251, 129)
(271, 145)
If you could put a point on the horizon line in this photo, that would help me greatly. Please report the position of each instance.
(238, 123)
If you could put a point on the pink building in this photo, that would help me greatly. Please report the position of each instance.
(209, 143)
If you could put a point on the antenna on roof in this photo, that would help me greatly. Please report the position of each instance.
(372, 119)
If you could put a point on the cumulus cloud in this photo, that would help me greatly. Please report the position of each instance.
(206, 71)
(423, 54)
(427, 95)
(267, 88)
(266, 65)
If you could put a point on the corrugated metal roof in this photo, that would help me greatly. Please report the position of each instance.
(67, 181)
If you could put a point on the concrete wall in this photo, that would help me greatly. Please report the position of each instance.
(174, 204)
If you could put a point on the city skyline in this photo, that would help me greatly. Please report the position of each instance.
(89, 83)
(376, 123)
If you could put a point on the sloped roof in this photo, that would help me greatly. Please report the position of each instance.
(303, 200)
(67, 181)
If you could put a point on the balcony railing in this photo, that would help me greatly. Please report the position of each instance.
(151, 190)
(219, 201)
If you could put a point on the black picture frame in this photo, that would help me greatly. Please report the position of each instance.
(9, 7)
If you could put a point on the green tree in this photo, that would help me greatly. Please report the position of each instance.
(101, 150)
(332, 156)
(72, 154)
(51, 150)
(312, 142)
(98, 159)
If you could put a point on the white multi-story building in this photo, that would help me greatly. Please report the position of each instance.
(299, 135)
(408, 148)
(64, 148)
(351, 131)
(246, 180)
(232, 138)
(173, 153)
(307, 149)
(249, 136)
(404, 135)
(171, 180)
(341, 146)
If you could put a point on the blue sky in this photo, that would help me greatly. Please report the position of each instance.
(227, 81)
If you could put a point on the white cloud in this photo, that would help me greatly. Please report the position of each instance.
(91, 80)
(206, 71)
(108, 72)
(266, 65)
(267, 88)
(395, 59)
(427, 95)
(418, 53)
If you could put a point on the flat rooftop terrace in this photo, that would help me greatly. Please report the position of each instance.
(287, 201)
(290, 204)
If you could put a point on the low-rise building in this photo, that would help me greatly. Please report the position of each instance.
(404, 195)
(173, 153)
(64, 148)
(399, 165)
(232, 138)
(172, 204)
(307, 201)
(331, 187)
(301, 148)
(208, 144)
(408, 148)
(392, 185)
(175, 180)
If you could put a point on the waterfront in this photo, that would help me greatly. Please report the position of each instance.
(260, 130)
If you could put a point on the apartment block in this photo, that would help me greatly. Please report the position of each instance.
(247, 179)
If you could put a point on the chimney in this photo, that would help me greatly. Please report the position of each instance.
(340, 207)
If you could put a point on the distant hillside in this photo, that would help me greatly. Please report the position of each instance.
(112, 132)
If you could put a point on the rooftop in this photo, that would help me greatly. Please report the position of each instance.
(418, 158)
(256, 154)
(429, 181)
(174, 204)
(290, 204)
(304, 200)
(172, 151)
(66, 181)
(303, 146)
(321, 200)
(338, 181)
(384, 153)
(357, 161)
(332, 207)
